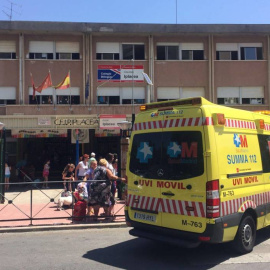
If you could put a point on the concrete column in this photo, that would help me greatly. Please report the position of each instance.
(124, 143)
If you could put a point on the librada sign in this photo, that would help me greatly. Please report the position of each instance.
(77, 122)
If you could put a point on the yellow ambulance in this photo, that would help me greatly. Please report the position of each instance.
(198, 172)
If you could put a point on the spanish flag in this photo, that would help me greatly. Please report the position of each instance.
(65, 83)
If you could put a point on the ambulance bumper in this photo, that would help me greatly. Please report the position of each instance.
(177, 237)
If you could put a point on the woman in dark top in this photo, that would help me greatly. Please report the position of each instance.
(68, 175)
(100, 189)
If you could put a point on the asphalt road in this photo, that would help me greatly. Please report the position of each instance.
(115, 249)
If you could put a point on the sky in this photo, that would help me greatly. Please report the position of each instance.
(138, 11)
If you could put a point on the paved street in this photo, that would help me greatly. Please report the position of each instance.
(115, 249)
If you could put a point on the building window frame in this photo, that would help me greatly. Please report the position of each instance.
(7, 55)
(239, 51)
(240, 95)
(133, 51)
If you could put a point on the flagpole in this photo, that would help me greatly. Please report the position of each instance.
(70, 108)
(34, 96)
(54, 95)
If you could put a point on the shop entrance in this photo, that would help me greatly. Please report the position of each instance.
(33, 153)
(105, 145)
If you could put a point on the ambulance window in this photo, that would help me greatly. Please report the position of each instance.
(167, 155)
(264, 141)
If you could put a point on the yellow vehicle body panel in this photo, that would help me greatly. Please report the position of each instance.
(176, 148)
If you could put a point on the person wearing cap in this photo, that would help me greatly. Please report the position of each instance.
(100, 194)
(82, 168)
(92, 158)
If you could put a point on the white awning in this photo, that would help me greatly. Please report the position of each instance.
(188, 92)
(191, 46)
(67, 47)
(41, 47)
(227, 47)
(8, 93)
(168, 93)
(108, 47)
(7, 46)
(108, 91)
(252, 92)
(228, 92)
(138, 93)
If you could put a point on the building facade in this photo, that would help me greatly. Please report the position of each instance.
(226, 64)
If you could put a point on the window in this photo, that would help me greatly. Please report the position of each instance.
(192, 55)
(7, 95)
(192, 51)
(107, 51)
(67, 50)
(41, 55)
(227, 51)
(64, 100)
(170, 93)
(167, 52)
(108, 95)
(264, 141)
(107, 56)
(51, 96)
(251, 53)
(242, 51)
(7, 55)
(189, 51)
(68, 56)
(222, 55)
(121, 95)
(108, 100)
(138, 95)
(240, 95)
(177, 164)
(133, 51)
(54, 50)
(7, 49)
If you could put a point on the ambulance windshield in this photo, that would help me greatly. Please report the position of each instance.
(167, 155)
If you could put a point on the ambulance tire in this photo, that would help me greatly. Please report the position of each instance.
(246, 235)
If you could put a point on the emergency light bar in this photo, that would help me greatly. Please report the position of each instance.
(190, 101)
(266, 112)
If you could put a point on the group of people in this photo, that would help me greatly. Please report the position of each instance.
(96, 181)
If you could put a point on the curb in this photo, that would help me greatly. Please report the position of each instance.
(60, 227)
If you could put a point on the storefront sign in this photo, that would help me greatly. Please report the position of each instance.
(83, 135)
(44, 121)
(109, 121)
(38, 133)
(87, 122)
(120, 73)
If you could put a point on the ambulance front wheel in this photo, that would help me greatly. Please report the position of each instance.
(246, 235)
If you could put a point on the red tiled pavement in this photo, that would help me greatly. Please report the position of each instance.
(18, 211)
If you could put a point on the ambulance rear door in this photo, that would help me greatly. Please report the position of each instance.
(181, 175)
(143, 165)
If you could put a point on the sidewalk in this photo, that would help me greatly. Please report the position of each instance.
(16, 212)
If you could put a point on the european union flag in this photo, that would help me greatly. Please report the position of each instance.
(87, 87)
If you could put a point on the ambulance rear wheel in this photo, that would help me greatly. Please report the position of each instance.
(246, 235)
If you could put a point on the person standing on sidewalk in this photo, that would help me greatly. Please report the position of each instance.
(90, 176)
(68, 175)
(81, 168)
(45, 173)
(7, 176)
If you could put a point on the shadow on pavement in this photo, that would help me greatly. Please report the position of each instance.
(145, 254)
